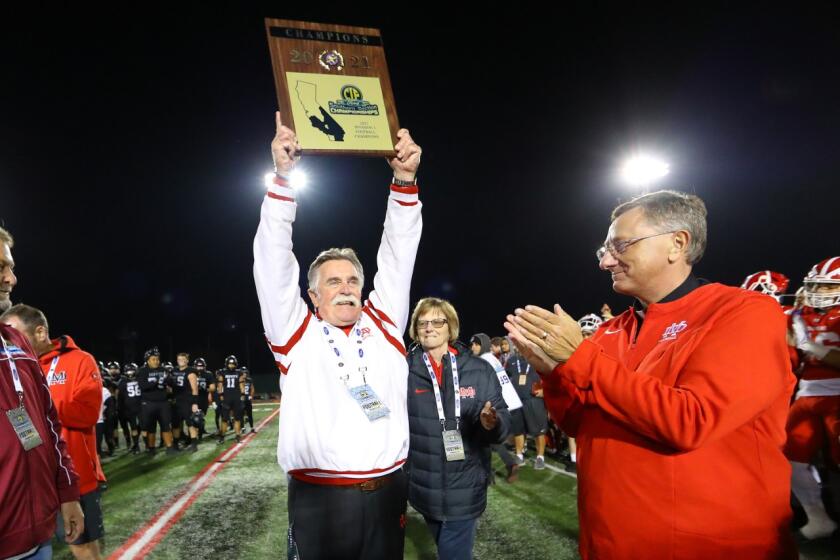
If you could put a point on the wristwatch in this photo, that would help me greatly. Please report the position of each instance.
(401, 183)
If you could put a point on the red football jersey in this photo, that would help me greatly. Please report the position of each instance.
(823, 328)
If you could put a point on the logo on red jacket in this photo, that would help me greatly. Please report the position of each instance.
(59, 378)
(467, 392)
(672, 331)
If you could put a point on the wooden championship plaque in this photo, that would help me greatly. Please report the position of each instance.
(333, 87)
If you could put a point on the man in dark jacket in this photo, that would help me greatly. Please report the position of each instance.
(480, 345)
(449, 454)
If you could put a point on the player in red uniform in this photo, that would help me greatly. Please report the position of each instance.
(814, 420)
(775, 284)
(767, 282)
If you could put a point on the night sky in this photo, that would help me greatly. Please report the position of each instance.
(134, 143)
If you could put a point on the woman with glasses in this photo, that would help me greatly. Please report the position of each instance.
(455, 412)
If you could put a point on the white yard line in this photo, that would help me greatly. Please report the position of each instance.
(148, 536)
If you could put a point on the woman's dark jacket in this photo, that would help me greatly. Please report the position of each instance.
(452, 490)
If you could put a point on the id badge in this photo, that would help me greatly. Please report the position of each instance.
(453, 445)
(25, 430)
(370, 403)
(523, 377)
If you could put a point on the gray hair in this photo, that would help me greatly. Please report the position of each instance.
(6, 238)
(673, 211)
(31, 317)
(334, 254)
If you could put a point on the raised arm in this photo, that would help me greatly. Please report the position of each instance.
(276, 270)
(400, 238)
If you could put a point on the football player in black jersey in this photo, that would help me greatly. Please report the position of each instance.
(215, 399)
(248, 399)
(155, 409)
(185, 389)
(230, 396)
(129, 407)
(170, 398)
(115, 373)
(206, 385)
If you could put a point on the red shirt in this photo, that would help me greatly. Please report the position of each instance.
(76, 389)
(438, 367)
(679, 426)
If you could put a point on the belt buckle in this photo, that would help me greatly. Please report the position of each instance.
(370, 485)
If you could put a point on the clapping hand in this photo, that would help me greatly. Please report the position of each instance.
(544, 338)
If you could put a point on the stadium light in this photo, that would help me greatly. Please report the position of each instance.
(297, 180)
(643, 170)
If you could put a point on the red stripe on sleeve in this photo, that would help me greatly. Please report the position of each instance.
(394, 342)
(381, 314)
(401, 203)
(413, 189)
(294, 339)
(279, 197)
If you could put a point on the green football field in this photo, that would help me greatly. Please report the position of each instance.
(242, 511)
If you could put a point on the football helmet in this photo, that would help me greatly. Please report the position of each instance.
(196, 420)
(589, 323)
(767, 282)
(231, 360)
(199, 363)
(825, 274)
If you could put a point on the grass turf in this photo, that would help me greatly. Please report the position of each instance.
(242, 514)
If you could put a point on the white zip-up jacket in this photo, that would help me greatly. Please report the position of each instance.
(324, 434)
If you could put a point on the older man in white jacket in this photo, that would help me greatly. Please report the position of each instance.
(343, 422)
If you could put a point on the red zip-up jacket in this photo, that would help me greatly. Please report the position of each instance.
(680, 426)
(76, 390)
(34, 483)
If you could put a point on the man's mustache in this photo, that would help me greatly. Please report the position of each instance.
(337, 300)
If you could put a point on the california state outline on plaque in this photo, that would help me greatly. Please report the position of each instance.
(307, 94)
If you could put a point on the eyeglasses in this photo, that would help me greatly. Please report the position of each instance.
(436, 323)
(618, 247)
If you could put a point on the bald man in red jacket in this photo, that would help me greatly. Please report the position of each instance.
(678, 404)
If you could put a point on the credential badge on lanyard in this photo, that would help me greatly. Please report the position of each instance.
(18, 417)
(523, 377)
(363, 394)
(453, 443)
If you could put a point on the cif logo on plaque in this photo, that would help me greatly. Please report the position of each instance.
(353, 103)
